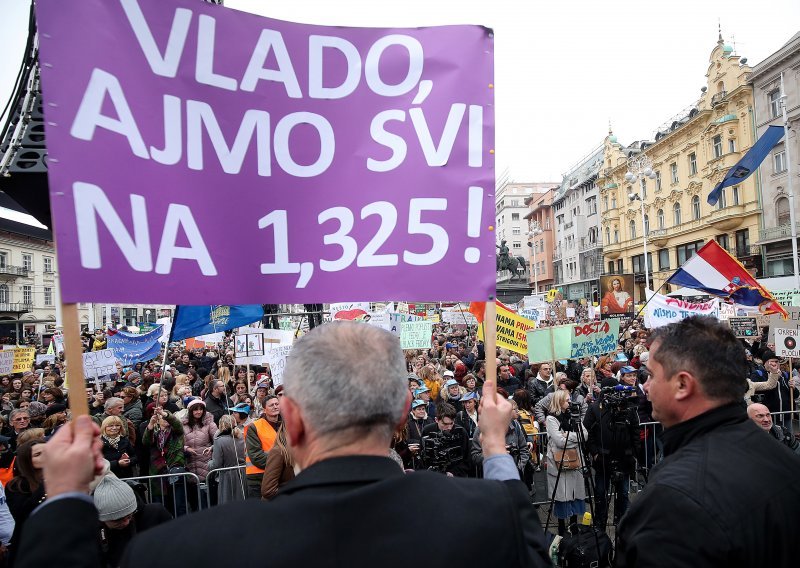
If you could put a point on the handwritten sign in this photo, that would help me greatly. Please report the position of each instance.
(550, 343)
(786, 339)
(396, 321)
(44, 358)
(459, 317)
(595, 338)
(23, 359)
(101, 365)
(416, 334)
(512, 331)
(276, 359)
(247, 346)
(744, 327)
(290, 127)
(776, 321)
(6, 361)
(662, 310)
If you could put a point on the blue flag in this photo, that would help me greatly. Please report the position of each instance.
(191, 321)
(749, 163)
(131, 348)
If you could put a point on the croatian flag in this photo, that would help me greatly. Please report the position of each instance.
(714, 271)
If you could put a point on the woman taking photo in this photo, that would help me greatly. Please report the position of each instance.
(163, 436)
(117, 449)
(564, 476)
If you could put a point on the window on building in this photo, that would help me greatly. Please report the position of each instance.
(605, 203)
(717, 144)
(723, 199)
(514, 203)
(516, 245)
(27, 261)
(676, 214)
(620, 266)
(130, 316)
(663, 259)
(591, 205)
(638, 263)
(3, 259)
(516, 231)
(692, 164)
(779, 159)
(774, 99)
(646, 225)
(643, 185)
(660, 218)
(611, 267)
(658, 181)
(731, 145)
(673, 169)
(27, 294)
(722, 240)
(695, 208)
(780, 267)
(613, 202)
(632, 229)
(608, 236)
(515, 216)
(48, 265)
(782, 211)
(48, 296)
(743, 242)
(4, 297)
(685, 252)
(616, 235)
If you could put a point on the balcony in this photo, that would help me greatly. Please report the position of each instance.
(557, 255)
(583, 247)
(718, 98)
(779, 233)
(9, 272)
(15, 307)
(612, 251)
(658, 237)
(728, 218)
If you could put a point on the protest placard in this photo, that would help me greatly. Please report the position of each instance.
(787, 298)
(511, 331)
(744, 327)
(290, 176)
(23, 359)
(6, 361)
(380, 319)
(550, 343)
(132, 348)
(459, 317)
(594, 338)
(247, 347)
(416, 334)
(776, 321)
(276, 359)
(786, 339)
(44, 358)
(662, 310)
(100, 365)
(396, 321)
(349, 310)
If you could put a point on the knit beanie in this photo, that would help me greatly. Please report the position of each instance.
(37, 409)
(114, 498)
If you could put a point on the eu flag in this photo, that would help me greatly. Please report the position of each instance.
(749, 163)
(191, 321)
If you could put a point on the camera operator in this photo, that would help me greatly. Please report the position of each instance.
(445, 445)
(613, 442)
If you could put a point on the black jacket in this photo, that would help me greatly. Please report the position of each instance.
(456, 438)
(725, 494)
(613, 432)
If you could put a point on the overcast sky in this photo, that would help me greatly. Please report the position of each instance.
(563, 70)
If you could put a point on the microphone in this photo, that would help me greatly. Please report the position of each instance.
(619, 388)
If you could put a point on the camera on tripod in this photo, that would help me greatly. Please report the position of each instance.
(440, 450)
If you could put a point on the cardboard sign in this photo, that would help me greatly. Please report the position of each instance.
(100, 365)
(6, 361)
(44, 358)
(462, 317)
(787, 298)
(276, 359)
(416, 334)
(349, 311)
(594, 338)
(23, 359)
(277, 139)
(776, 321)
(550, 343)
(744, 327)
(786, 339)
(511, 331)
(662, 310)
(247, 346)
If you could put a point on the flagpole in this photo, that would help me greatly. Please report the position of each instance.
(790, 188)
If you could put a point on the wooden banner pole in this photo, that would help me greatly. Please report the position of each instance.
(73, 351)
(791, 393)
(490, 339)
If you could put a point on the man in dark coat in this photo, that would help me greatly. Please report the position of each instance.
(217, 401)
(724, 494)
(350, 505)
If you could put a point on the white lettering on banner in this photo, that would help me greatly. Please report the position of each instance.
(91, 203)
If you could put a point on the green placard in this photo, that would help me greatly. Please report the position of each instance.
(549, 343)
(416, 334)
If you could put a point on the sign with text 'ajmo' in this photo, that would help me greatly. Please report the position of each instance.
(201, 155)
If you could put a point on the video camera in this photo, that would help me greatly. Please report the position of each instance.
(618, 400)
(440, 450)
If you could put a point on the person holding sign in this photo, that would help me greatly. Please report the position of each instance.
(777, 399)
(340, 419)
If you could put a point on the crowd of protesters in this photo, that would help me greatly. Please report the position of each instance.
(201, 412)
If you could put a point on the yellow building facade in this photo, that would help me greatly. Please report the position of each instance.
(688, 157)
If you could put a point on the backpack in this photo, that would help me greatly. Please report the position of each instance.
(580, 549)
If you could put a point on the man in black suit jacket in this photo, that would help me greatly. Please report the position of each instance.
(350, 505)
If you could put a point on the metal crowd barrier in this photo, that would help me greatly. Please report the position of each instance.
(174, 496)
(212, 488)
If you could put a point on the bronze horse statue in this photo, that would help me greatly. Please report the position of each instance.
(505, 261)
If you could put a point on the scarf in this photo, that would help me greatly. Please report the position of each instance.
(113, 441)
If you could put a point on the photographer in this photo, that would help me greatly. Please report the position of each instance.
(445, 445)
(516, 443)
(613, 443)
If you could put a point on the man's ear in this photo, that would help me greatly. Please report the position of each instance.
(686, 385)
(295, 427)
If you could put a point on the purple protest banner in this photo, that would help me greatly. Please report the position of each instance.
(200, 155)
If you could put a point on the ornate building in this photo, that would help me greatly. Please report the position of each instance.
(689, 155)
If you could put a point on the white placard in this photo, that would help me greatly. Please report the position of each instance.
(786, 340)
(6, 361)
(100, 365)
(462, 317)
(276, 358)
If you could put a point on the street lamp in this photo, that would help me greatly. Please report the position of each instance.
(639, 168)
(534, 232)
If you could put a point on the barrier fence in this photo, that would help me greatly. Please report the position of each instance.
(176, 491)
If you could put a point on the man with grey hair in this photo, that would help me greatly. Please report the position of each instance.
(114, 406)
(349, 505)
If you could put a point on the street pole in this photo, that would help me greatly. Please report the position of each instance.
(790, 186)
(644, 240)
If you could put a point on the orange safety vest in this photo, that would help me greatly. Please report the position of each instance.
(267, 435)
(7, 473)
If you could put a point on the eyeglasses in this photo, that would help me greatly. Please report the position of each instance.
(21, 419)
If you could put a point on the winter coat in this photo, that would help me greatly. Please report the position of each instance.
(228, 452)
(537, 388)
(134, 412)
(542, 408)
(173, 455)
(516, 440)
(570, 482)
(724, 494)
(276, 474)
(113, 456)
(198, 438)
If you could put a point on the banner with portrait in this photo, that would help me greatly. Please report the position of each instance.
(616, 298)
